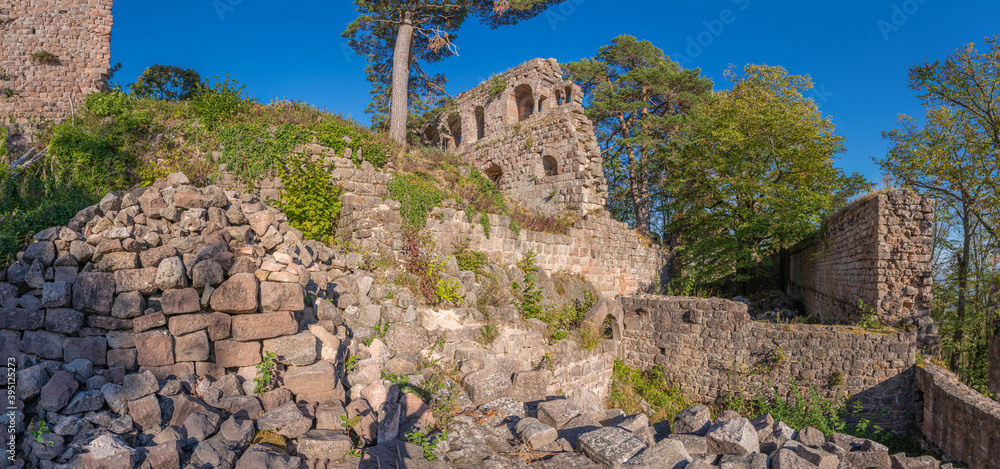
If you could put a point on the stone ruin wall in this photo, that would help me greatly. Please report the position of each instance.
(958, 419)
(994, 365)
(78, 32)
(710, 347)
(532, 139)
(879, 251)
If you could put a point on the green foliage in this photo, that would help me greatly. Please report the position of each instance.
(836, 379)
(529, 294)
(3, 143)
(113, 103)
(449, 291)
(252, 150)
(642, 103)
(265, 373)
(38, 434)
(310, 200)
(803, 407)
(171, 83)
(339, 134)
(417, 195)
(44, 57)
(758, 176)
(870, 319)
(469, 259)
(630, 387)
(429, 444)
(488, 333)
(351, 363)
(219, 103)
(495, 87)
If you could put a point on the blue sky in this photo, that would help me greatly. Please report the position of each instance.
(857, 52)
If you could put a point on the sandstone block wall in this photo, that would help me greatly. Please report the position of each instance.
(532, 138)
(78, 32)
(961, 421)
(711, 348)
(878, 251)
(610, 256)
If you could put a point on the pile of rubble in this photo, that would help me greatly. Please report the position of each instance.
(771, 306)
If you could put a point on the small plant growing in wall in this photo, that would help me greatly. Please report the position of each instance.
(495, 87)
(869, 319)
(488, 333)
(836, 378)
(448, 291)
(45, 58)
(39, 433)
(265, 373)
(428, 443)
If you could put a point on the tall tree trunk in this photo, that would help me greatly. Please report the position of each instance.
(963, 288)
(401, 79)
(639, 190)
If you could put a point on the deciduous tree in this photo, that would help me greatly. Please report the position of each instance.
(758, 177)
(171, 83)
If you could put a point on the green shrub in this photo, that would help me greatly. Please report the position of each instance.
(44, 57)
(219, 103)
(803, 407)
(3, 144)
(339, 134)
(448, 291)
(631, 387)
(417, 195)
(112, 103)
(530, 296)
(310, 200)
(252, 150)
(468, 259)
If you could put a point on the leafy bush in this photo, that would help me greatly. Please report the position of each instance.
(631, 387)
(3, 144)
(530, 296)
(218, 103)
(804, 407)
(448, 291)
(339, 134)
(113, 103)
(310, 200)
(252, 150)
(469, 259)
(417, 195)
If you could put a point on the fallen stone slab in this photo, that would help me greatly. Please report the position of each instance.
(610, 447)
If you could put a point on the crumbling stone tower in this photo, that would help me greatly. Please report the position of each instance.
(526, 130)
(76, 34)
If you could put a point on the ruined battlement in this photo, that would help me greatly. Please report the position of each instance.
(526, 130)
(76, 34)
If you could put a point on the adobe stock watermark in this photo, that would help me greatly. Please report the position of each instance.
(901, 14)
(561, 13)
(697, 44)
(222, 7)
(819, 94)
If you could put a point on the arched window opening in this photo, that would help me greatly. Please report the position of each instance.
(480, 123)
(431, 136)
(569, 94)
(541, 104)
(559, 98)
(494, 172)
(455, 125)
(525, 102)
(550, 166)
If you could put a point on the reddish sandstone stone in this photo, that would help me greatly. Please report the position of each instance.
(181, 301)
(238, 295)
(263, 326)
(277, 296)
(230, 353)
(217, 324)
(149, 321)
(140, 280)
(155, 348)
